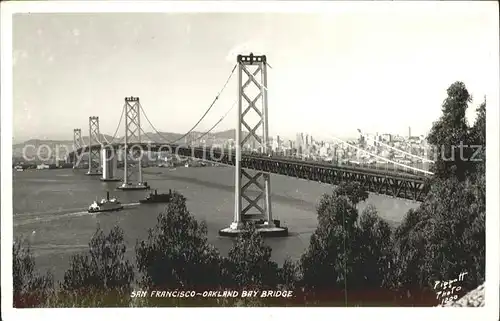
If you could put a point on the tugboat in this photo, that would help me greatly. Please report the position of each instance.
(157, 198)
(105, 205)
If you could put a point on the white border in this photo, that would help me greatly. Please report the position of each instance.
(490, 312)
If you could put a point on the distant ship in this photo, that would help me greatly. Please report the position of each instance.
(105, 205)
(157, 198)
(130, 187)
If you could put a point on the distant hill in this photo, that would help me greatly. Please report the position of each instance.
(227, 134)
(31, 146)
(180, 138)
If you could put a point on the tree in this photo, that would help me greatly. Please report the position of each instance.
(353, 190)
(446, 234)
(289, 275)
(29, 288)
(176, 253)
(478, 138)
(340, 206)
(101, 278)
(442, 238)
(373, 253)
(344, 255)
(478, 130)
(450, 133)
(249, 262)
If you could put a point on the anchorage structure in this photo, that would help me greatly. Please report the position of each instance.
(77, 144)
(109, 164)
(254, 67)
(132, 177)
(94, 155)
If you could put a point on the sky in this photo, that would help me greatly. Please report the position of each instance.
(332, 73)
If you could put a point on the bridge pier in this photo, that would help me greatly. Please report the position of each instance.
(109, 165)
(94, 155)
(132, 177)
(262, 218)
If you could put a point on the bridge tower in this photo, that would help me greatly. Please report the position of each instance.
(77, 144)
(132, 177)
(94, 155)
(255, 69)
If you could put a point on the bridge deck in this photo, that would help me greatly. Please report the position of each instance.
(395, 184)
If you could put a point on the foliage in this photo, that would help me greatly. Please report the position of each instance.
(249, 263)
(176, 253)
(443, 237)
(353, 191)
(478, 138)
(478, 130)
(446, 234)
(451, 136)
(345, 254)
(29, 288)
(103, 276)
(289, 275)
(340, 206)
(374, 252)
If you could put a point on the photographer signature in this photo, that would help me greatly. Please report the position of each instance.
(447, 291)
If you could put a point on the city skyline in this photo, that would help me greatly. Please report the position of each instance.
(176, 64)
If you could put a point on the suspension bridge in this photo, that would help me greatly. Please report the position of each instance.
(251, 168)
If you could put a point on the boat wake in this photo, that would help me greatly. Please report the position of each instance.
(51, 216)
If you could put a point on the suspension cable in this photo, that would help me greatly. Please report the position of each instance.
(147, 136)
(205, 133)
(117, 127)
(202, 117)
(218, 122)
(383, 158)
(147, 119)
(396, 149)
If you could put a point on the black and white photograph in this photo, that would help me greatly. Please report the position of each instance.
(263, 154)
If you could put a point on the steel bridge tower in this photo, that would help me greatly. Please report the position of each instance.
(94, 155)
(77, 144)
(255, 67)
(132, 177)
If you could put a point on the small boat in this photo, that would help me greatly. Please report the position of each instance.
(157, 198)
(105, 205)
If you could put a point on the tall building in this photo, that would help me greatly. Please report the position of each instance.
(409, 131)
(298, 142)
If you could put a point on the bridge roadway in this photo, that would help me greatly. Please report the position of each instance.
(400, 185)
